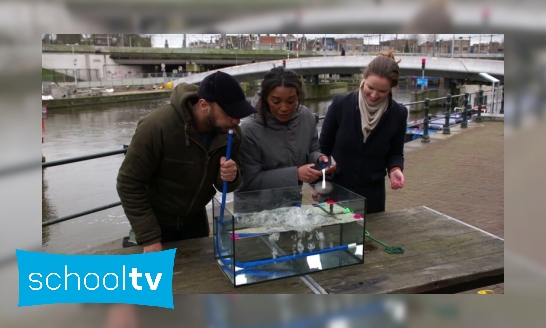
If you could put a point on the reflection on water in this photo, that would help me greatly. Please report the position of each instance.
(48, 211)
(76, 187)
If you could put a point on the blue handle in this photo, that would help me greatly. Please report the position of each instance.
(225, 185)
(229, 142)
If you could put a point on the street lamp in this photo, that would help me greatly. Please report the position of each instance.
(461, 45)
(75, 72)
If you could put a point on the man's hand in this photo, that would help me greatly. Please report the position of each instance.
(228, 169)
(157, 247)
(397, 179)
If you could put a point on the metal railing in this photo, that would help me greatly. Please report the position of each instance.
(447, 115)
(425, 138)
(79, 159)
(111, 80)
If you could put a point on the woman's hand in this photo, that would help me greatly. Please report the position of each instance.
(306, 173)
(397, 179)
(332, 167)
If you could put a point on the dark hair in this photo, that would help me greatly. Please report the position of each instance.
(384, 65)
(278, 76)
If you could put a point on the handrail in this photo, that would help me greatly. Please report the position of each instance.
(124, 150)
(80, 159)
(435, 99)
(84, 158)
(318, 118)
(77, 215)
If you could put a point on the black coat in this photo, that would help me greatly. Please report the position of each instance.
(362, 167)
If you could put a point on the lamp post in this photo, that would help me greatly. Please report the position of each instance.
(461, 45)
(426, 137)
(434, 47)
(423, 62)
(447, 115)
(464, 124)
(502, 102)
(75, 72)
(480, 99)
(452, 45)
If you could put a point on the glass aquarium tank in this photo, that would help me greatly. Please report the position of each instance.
(277, 233)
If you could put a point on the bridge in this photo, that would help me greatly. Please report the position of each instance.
(455, 68)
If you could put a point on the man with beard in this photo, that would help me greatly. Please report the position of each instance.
(177, 157)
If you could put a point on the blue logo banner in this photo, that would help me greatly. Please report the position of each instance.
(143, 279)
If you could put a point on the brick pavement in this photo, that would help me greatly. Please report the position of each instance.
(461, 176)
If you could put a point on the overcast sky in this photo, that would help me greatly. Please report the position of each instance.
(176, 40)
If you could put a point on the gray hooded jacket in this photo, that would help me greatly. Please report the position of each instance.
(271, 156)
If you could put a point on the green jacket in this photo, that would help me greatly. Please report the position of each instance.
(167, 175)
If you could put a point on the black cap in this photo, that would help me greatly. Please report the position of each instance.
(224, 90)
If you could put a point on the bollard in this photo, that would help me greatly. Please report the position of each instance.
(480, 98)
(426, 137)
(464, 124)
(502, 102)
(448, 107)
(316, 118)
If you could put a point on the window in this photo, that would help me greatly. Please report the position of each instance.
(349, 47)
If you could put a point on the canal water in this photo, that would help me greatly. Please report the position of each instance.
(76, 187)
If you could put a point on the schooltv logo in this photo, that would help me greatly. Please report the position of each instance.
(143, 279)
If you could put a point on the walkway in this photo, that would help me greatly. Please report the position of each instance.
(460, 175)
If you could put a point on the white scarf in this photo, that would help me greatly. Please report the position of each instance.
(370, 116)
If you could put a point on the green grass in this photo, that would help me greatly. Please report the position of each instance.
(46, 72)
(49, 75)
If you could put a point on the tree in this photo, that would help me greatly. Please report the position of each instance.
(68, 38)
(430, 38)
(416, 38)
(406, 48)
